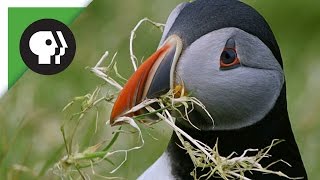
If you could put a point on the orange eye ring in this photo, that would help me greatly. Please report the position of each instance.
(229, 58)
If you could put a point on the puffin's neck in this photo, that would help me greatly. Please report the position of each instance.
(275, 125)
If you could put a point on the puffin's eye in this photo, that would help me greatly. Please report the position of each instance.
(228, 58)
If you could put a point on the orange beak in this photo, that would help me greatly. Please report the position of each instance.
(152, 79)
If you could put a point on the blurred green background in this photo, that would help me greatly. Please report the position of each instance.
(30, 113)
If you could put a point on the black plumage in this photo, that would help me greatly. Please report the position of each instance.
(203, 16)
(275, 125)
(199, 18)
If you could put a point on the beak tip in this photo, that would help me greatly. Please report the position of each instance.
(150, 79)
(113, 122)
(113, 119)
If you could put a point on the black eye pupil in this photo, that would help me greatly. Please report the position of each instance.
(228, 56)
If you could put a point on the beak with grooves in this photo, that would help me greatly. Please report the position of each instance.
(152, 79)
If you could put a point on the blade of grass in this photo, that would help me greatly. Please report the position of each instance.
(113, 140)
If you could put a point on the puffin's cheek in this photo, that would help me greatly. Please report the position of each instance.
(244, 97)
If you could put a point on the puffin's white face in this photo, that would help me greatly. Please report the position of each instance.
(233, 73)
(236, 94)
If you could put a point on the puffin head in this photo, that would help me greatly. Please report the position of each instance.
(225, 54)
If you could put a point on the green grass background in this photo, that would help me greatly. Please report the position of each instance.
(30, 113)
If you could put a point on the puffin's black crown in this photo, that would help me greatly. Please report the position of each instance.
(203, 16)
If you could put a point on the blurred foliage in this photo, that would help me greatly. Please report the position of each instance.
(30, 113)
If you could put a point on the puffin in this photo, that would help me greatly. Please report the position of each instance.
(227, 56)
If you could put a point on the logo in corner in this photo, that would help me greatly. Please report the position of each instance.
(47, 46)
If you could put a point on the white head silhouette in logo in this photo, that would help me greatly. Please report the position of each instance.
(44, 45)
